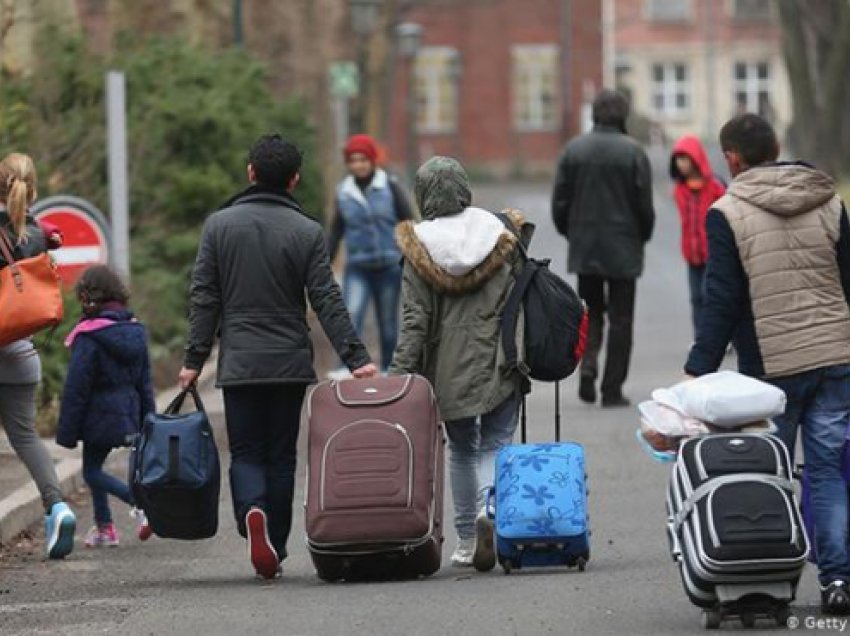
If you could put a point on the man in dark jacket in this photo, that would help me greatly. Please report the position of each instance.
(602, 204)
(778, 279)
(257, 257)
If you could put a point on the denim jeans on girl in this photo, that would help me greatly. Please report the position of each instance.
(102, 484)
(473, 444)
(383, 285)
(819, 406)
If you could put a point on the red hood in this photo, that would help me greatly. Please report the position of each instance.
(691, 147)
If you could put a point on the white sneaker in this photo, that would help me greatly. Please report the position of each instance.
(484, 555)
(462, 556)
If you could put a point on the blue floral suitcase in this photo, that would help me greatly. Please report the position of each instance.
(539, 503)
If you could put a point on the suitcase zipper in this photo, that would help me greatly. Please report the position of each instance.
(410, 455)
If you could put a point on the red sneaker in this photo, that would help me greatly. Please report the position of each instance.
(263, 555)
(143, 528)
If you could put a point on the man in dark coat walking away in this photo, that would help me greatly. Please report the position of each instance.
(257, 257)
(602, 204)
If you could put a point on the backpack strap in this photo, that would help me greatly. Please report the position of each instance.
(510, 316)
(7, 250)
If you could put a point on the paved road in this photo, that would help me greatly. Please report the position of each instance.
(630, 587)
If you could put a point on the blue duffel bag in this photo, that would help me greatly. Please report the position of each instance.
(175, 473)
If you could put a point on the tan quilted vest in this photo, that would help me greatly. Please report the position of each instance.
(802, 320)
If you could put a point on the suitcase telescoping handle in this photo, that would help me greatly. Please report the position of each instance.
(177, 403)
(524, 417)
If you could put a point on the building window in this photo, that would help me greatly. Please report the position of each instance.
(752, 88)
(535, 87)
(671, 89)
(668, 10)
(752, 9)
(436, 89)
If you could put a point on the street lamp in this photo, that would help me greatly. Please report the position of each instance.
(455, 73)
(409, 40)
(364, 19)
(364, 15)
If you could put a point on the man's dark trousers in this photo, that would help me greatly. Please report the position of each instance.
(262, 427)
(620, 307)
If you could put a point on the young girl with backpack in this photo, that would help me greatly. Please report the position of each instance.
(107, 393)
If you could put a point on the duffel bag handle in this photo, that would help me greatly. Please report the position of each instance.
(177, 403)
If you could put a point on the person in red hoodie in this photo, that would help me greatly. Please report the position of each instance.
(695, 191)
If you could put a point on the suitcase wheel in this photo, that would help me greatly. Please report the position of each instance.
(581, 563)
(507, 565)
(748, 620)
(782, 615)
(711, 619)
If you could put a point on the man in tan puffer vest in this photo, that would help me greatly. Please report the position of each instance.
(778, 279)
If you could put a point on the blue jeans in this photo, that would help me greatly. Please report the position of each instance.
(383, 285)
(473, 444)
(819, 406)
(262, 429)
(696, 274)
(102, 484)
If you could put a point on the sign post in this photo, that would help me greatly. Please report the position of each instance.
(85, 231)
(119, 207)
(345, 82)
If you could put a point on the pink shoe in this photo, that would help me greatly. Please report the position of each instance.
(109, 535)
(105, 536)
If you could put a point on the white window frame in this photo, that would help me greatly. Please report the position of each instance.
(670, 88)
(752, 85)
(538, 120)
(437, 113)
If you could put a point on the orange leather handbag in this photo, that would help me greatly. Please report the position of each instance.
(30, 294)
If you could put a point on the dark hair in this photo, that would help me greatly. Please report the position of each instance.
(611, 108)
(750, 136)
(275, 160)
(100, 285)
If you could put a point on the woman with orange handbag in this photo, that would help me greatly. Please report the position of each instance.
(20, 366)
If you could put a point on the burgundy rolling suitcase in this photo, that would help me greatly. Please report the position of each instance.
(374, 502)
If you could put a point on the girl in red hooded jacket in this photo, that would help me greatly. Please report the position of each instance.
(695, 191)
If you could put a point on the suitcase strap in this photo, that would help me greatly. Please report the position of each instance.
(708, 487)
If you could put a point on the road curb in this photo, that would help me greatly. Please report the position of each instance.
(22, 508)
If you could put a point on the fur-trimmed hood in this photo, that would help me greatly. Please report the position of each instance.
(449, 258)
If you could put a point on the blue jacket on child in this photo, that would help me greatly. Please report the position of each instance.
(108, 389)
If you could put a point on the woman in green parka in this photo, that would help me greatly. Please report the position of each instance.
(460, 264)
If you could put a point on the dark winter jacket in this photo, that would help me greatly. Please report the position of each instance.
(728, 309)
(602, 203)
(694, 198)
(256, 259)
(108, 388)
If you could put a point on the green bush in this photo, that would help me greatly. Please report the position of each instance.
(192, 115)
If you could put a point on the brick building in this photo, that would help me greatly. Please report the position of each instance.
(500, 83)
(692, 64)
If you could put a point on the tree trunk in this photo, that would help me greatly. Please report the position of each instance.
(816, 44)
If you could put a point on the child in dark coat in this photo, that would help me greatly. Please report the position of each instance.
(107, 393)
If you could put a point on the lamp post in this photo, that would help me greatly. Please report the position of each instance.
(456, 72)
(409, 39)
(364, 18)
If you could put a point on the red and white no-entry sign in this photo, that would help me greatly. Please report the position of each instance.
(85, 232)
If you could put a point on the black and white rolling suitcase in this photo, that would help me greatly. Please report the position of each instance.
(735, 528)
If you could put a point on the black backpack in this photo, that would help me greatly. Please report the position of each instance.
(555, 320)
